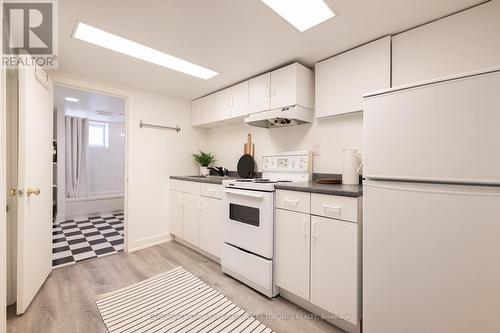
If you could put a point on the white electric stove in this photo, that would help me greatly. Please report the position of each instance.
(248, 227)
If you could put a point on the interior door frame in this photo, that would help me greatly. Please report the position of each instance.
(3, 182)
(65, 80)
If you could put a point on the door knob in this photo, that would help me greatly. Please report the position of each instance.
(13, 192)
(31, 191)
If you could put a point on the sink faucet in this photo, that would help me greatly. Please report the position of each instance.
(220, 171)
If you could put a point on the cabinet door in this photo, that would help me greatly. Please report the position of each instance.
(342, 81)
(211, 225)
(334, 267)
(191, 229)
(259, 93)
(292, 246)
(197, 112)
(284, 86)
(219, 108)
(239, 100)
(176, 213)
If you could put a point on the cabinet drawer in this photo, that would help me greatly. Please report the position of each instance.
(211, 190)
(192, 187)
(293, 200)
(343, 208)
(176, 185)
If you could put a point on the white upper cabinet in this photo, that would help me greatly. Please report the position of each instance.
(464, 42)
(259, 92)
(238, 105)
(292, 85)
(202, 110)
(220, 108)
(341, 81)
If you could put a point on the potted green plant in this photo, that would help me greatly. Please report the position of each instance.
(204, 160)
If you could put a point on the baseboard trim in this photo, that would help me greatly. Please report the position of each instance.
(196, 249)
(144, 243)
(326, 316)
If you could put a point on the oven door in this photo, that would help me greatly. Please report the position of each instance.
(249, 220)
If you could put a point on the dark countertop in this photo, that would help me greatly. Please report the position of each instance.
(209, 179)
(354, 191)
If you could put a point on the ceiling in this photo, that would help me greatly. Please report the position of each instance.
(237, 38)
(90, 105)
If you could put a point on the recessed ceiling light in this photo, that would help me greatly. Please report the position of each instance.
(302, 14)
(119, 44)
(72, 99)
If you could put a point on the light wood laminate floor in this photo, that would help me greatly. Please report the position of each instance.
(66, 302)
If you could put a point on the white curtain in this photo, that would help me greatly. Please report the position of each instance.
(77, 152)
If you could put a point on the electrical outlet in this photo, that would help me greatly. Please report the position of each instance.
(315, 149)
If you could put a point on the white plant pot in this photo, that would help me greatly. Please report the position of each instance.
(204, 171)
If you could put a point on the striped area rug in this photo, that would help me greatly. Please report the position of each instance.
(175, 301)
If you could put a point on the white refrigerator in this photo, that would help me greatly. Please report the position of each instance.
(431, 233)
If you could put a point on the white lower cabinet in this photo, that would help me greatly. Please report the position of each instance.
(292, 251)
(191, 230)
(196, 215)
(211, 225)
(176, 213)
(334, 267)
(317, 256)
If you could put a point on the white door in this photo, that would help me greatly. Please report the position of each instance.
(430, 258)
(334, 267)
(220, 110)
(211, 225)
(342, 81)
(191, 228)
(34, 243)
(239, 100)
(197, 112)
(284, 86)
(292, 251)
(259, 94)
(176, 213)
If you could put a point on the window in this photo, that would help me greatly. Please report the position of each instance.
(98, 135)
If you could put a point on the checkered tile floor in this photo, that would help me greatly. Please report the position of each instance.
(80, 239)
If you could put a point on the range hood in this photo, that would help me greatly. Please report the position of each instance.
(287, 116)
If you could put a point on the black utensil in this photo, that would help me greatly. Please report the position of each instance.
(246, 166)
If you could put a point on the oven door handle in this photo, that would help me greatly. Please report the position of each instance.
(244, 193)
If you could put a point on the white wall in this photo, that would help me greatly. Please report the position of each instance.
(464, 42)
(107, 165)
(331, 135)
(153, 156)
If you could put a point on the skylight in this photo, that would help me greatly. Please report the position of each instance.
(302, 14)
(122, 45)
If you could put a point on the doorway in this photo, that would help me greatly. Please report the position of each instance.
(89, 175)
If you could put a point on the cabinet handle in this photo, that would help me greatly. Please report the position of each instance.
(273, 90)
(333, 210)
(315, 230)
(290, 202)
(268, 91)
(304, 224)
